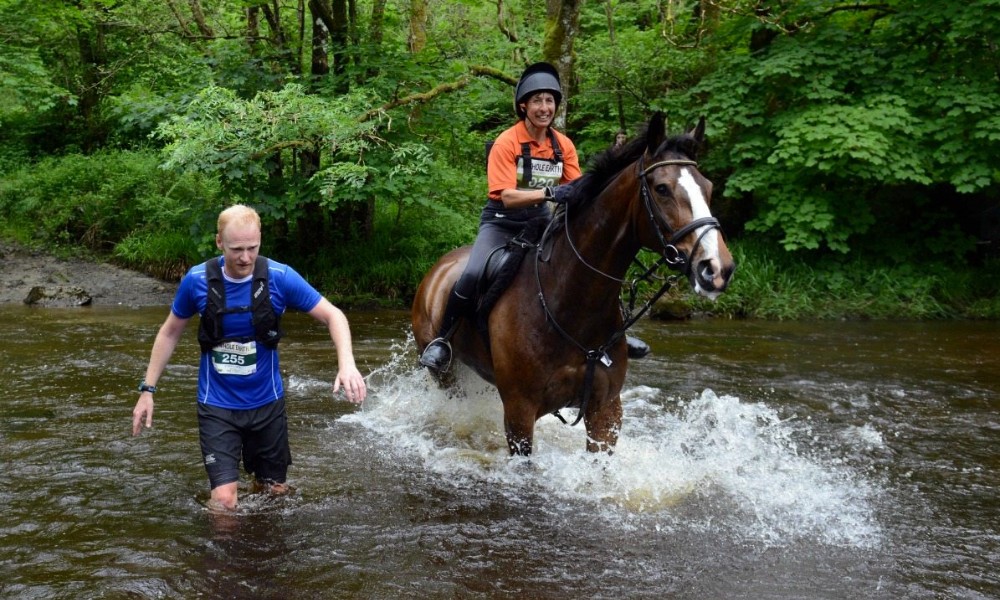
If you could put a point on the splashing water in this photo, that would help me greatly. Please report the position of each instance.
(710, 463)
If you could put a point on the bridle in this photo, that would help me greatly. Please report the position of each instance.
(670, 255)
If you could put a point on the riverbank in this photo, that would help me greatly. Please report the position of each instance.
(36, 277)
(768, 285)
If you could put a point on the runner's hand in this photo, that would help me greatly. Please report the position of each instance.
(353, 384)
(143, 411)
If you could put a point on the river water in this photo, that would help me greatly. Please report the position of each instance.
(757, 460)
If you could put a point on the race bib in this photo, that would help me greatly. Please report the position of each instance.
(544, 173)
(235, 358)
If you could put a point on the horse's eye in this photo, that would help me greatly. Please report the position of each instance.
(663, 190)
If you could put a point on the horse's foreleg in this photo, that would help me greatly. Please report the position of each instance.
(603, 425)
(520, 429)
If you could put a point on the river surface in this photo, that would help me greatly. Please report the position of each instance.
(757, 460)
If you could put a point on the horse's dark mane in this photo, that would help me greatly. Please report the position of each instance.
(603, 167)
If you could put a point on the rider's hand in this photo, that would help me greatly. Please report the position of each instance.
(558, 193)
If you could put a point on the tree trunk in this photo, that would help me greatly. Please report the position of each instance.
(338, 43)
(319, 66)
(199, 20)
(310, 227)
(375, 35)
(253, 30)
(613, 38)
(273, 16)
(418, 26)
(334, 18)
(300, 20)
(378, 20)
(93, 61)
(762, 34)
(562, 28)
(352, 217)
(180, 19)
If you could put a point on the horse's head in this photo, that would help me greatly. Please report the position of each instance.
(651, 195)
(678, 222)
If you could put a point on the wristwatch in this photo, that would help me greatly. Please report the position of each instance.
(145, 387)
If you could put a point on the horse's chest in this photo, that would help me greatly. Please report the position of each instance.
(567, 385)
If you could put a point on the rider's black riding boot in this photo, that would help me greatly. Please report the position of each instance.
(636, 347)
(437, 354)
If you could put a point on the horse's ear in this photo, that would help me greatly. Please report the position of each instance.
(656, 132)
(698, 133)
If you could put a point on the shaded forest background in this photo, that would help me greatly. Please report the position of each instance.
(853, 145)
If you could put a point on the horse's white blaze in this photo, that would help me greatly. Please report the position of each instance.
(700, 210)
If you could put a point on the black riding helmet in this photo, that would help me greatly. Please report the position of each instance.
(539, 77)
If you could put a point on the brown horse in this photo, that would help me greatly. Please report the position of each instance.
(555, 338)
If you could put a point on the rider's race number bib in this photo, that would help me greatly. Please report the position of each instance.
(235, 358)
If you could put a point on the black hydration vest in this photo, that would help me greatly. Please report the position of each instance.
(266, 324)
(527, 161)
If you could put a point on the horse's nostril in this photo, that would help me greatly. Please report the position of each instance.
(706, 271)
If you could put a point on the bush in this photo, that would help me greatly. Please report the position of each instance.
(102, 200)
(387, 268)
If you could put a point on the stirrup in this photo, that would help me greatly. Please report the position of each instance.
(432, 355)
(636, 348)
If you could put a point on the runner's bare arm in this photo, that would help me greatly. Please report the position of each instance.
(163, 348)
(348, 375)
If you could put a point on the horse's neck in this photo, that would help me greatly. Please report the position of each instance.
(605, 232)
(597, 247)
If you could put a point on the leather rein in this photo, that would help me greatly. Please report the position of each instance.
(670, 255)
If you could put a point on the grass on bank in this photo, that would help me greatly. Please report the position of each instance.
(772, 284)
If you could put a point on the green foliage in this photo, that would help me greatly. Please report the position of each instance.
(422, 211)
(818, 125)
(406, 175)
(862, 131)
(625, 77)
(24, 83)
(137, 111)
(100, 200)
(219, 134)
(163, 254)
(389, 266)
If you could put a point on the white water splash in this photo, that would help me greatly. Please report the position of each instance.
(710, 462)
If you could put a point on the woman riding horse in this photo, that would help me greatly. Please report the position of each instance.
(528, 164)
(554, 337)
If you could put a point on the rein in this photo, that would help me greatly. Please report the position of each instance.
(669, 256)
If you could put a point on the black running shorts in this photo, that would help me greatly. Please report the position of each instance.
(259, 436)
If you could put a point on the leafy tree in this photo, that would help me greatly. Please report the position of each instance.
(846, 117)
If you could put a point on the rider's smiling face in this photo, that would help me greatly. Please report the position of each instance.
(540, 109)
(240, 244)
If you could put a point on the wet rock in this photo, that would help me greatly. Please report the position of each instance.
(57, 296)
(669, 308)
